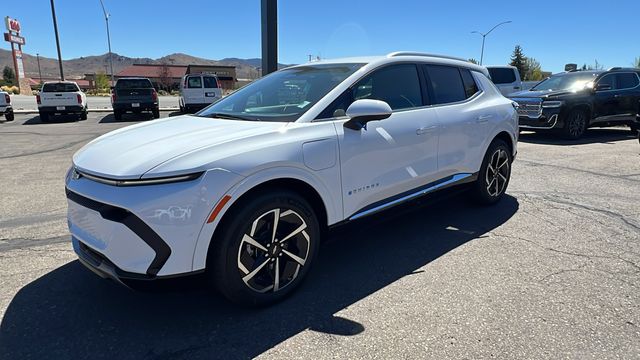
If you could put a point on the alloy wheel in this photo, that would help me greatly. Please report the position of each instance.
(497, 173)
(577, 124)
(273, 250)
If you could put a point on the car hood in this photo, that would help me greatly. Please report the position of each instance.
(130, 152)
(539, 93)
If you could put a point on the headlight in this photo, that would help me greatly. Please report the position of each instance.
(551, 104)
(137, 182)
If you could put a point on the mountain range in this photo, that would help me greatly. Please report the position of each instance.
(77, 68)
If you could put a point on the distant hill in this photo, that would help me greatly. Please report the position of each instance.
(76, 68)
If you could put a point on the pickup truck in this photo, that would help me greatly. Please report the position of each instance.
(60, 98)
(5, 106)
(507, 79)
(134, 95)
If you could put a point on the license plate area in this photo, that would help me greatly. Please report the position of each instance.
(60, 108)
(135, 104)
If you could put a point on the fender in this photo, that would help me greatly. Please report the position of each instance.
(332, 202)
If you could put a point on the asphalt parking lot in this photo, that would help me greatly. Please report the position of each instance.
(553, 271)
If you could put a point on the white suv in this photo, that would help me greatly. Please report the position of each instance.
(266, 169)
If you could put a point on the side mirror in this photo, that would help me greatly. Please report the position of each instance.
(602, 87)
(360, 112)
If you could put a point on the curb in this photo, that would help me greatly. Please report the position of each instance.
(104, 110)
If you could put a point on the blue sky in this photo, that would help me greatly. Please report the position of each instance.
(553, 32)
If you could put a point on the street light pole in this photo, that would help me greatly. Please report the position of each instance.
(484, 36)
(106, 19)
(39, 72)
(55, 29)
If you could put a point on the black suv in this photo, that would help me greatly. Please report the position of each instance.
(134, 95)
(574, 101)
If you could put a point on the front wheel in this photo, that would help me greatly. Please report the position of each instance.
(494, 174)
(575, 125)
(266, 248)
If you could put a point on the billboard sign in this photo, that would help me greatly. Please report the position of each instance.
(19, 64)
(16, 39)
(12, 24)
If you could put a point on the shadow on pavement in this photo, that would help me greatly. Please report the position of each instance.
(594, 135)
(125, 118)
(71, 313)
(53, 120)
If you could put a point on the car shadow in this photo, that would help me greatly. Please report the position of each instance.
(593, 135)
(57, 119)
(110, 118)
(71, 313)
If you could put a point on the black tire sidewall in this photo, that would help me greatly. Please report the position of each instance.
(223, 250)
(480, 193)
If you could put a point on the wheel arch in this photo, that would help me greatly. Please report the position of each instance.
(508, 139)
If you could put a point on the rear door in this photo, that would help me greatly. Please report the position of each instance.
(628, 95)
(211, 90)
(193, 91)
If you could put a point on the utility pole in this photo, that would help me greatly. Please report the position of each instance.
(485, 35)
(55, 29)
(106, 19)
(269, 12)
(39, 72)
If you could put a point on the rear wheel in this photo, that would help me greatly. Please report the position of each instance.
(117, 115)
(156, 113)
(83, 115)
(44, 117)
(494, 174)
(265, 249)
(575, 125)
(9, 116)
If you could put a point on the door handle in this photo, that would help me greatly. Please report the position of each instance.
(426, 129)
(616, 95)
(516, 87)
(483, 118)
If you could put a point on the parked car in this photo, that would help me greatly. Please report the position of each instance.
(5, 106)
(574, 101)
(507, 79)
(61, 98)
(134, 95)
(264, 177)
(198, 91)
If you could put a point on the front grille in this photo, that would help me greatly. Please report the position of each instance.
(529, 107)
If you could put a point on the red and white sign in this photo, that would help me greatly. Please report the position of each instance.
(12, 24)
(16, 39)
(19, 65)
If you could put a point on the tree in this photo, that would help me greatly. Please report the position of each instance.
(534, 70)
(102, 82)
(636, 63)
(473, 61)
(9, 76)
(519, 61)
(164, 76)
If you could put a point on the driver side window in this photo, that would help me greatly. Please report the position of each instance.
(397, 85)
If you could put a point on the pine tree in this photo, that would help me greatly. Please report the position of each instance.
(519, 61)
(8, 75)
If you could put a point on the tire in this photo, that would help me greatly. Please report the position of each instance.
(9, 116)
(575, 124)
(247, 242)
(44, 117)
(83, 115)
(156, 113)
(635, 127)
(494, 174)
(117, 115)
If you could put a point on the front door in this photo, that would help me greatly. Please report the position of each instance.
(391, 156)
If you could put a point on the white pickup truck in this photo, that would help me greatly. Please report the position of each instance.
(507, 79)
(59, 98)
(5, 106)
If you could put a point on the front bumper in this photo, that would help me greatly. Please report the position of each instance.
(145, 231)
(548, 119)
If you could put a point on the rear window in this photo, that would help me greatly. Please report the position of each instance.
(470, 87)
(446, 83)
(60, 87)
(210, 82)
(133, 84)
(502, 75)
(627, 80)
(194, 82)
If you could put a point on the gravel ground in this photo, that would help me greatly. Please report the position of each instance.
(552, 271)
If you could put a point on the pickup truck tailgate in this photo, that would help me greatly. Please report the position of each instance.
(134, 95)
(59, 99)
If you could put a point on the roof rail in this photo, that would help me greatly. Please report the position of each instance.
(615, 68)
(414, 53)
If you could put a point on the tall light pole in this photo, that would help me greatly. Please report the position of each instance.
(39, 72)
(485, 35)
(55, 29)
(106, 19)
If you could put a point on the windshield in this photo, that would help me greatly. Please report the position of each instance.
(569, 81)
(282, 96)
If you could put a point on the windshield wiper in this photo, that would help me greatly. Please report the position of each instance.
(225, 116)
